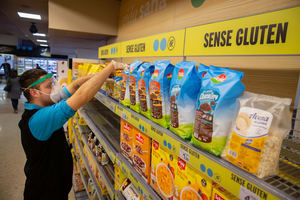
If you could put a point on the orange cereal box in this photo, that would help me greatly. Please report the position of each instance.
(191, 184)
(220, 193)
(126, 140)
(141, 154)
(162, 171)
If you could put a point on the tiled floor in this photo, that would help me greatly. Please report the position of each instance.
(12, 157)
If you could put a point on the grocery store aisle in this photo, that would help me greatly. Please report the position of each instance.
(12, 157)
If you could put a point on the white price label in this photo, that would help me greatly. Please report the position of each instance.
(184, 154)
(123, 115)
(246, 194)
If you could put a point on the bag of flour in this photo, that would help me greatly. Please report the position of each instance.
(260, 125)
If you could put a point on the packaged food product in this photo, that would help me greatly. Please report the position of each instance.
(220, 193)
(144, 75)
(127, 139)
(260, 125)
(159, 92)
(141, 154)
(120, 177)
(162, 171)
(133, 90)
(104, 158)
(185, 86)
(202, 70)
(124, 97)
(129, 191)
(215, 108)
(191, 184)
(109, 86)
(117, 84)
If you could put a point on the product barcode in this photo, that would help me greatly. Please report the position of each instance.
(232, 153)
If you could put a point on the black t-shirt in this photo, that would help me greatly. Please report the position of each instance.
(6, 67)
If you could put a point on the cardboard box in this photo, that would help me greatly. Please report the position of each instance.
(120, 177)
(163, 166)
(190, 183)
(127, 140)
(220, 193)
(142, 154)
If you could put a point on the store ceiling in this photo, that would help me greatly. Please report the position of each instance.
(13, 28)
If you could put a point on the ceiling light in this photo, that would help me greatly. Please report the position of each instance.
(44, 45)
(29, 15)
(40, 34)
(41, 40)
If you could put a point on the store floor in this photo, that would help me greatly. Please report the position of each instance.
(12, 157)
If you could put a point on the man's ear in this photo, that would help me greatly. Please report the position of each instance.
(34, 93)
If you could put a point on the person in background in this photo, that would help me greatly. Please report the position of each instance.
(37, 66)
(15, 90)
(6, 67)
(49, 165)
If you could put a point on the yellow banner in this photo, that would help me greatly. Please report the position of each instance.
(272, 33)
(165, 44)
(110, 51)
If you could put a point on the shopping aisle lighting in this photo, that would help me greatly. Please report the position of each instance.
(39, 34)
(29, 15)
(41, 40)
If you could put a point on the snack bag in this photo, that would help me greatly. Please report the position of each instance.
(126, 140)
(133, 90)
(117, 84)
(202, 70)
(141, 154)
(185, 86)
(215, 108)
(162, 171)
(124, 97)
(144, 75)
(261, 124)
(191, 184)
(159, 92)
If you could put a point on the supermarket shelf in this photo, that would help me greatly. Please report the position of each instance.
(88, 167)
(82, 129)
(84, 179)
(109, 185)
(120, 196)
(136, 179)
(100, 134)
(80, 195)
(229, 176)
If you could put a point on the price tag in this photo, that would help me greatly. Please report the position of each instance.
(123, 115)
(184, 154)
(247, 194)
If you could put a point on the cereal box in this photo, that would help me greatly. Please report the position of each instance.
(191, 184)
(220, 193)
(126, 140)
(162, 171)
(141, 154)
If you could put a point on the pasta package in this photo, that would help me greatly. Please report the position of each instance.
(159, 92)
(127, 140)
(216, 101)
(185, 86)
(220, 193)
(120, 177)
(124, 96)
(141, 154)
(133, 89)
(117, 84)
(144, 75)
(162, 171)
(259, 128)
(190, 184)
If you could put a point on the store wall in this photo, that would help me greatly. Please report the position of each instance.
(272, 75)
(93, 16)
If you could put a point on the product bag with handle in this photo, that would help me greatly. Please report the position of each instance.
(260, 125)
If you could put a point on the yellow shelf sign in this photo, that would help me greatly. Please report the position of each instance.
(110, 51)
(273, 33)
(165, 44)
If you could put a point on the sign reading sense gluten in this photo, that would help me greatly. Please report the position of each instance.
(165, 44)
(271, 33)
(110, 51)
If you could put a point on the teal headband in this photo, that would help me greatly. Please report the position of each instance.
(40, 80)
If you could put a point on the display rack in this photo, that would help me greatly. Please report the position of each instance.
(88, 167)
(109, 185)
(120, 196)
(227, 175)
(80, 195)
